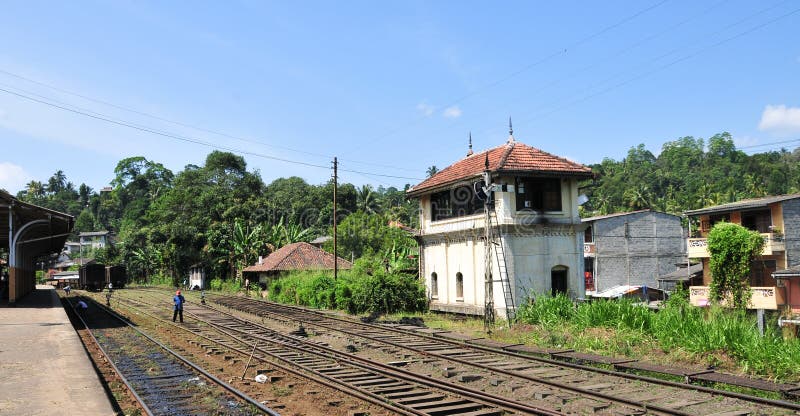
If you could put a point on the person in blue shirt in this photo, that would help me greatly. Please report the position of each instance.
(179, 300)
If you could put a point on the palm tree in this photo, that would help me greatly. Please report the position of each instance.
(365, 199)
(432, 170)
(638, 198)
(34, 189)
(57, 182)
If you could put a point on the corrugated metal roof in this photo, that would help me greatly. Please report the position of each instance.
(743, 204)
(790, 272)
(619, 214)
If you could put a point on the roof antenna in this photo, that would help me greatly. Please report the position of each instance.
(510, 131)
(469, 153)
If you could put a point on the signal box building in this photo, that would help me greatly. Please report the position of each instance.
(534, 218)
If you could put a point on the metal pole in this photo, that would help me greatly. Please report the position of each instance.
(335, 252)
(249, 359)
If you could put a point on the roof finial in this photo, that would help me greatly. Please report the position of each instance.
(510, 131)
(469, 153)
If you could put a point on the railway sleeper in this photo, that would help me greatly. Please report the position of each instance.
(406, 394)
(428, 398)
(453, 407)
(374, 382)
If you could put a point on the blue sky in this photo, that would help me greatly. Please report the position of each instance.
(389, 87)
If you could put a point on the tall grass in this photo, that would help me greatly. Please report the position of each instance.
(714, 334)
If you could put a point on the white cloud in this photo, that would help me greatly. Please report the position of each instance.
(452, 112)
(12, 177)
(780, 119)
(426, 109)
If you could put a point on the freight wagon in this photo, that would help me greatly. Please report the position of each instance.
(92, 277)
(117, 276)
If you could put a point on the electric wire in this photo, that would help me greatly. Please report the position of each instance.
(621, 52)
(662, 67)
(179, 123)
(540, 61)
(107, 119)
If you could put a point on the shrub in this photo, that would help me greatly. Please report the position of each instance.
(381, 292)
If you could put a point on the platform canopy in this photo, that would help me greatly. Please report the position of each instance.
(28, 233)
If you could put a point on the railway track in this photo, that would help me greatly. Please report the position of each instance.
(490, 363)
(398, 390)
(161, 380)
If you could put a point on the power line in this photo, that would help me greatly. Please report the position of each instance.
(620, 52)
(177, 123)
(663, 67)
(540, 61)
(107, 119)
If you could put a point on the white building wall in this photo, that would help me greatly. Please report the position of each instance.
(534, 244)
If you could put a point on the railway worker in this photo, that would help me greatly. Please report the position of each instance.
(178, 300)
(67, 289)
(82, 306)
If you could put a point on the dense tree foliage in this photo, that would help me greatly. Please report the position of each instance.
(690, 173)
(222, 216)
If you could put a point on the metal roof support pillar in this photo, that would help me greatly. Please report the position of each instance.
(12, 258)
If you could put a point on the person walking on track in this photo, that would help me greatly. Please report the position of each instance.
(179, 300)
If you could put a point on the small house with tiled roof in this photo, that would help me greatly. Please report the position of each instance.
(534, 214)
(294, 257)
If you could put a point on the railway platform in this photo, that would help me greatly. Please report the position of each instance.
(44, 368)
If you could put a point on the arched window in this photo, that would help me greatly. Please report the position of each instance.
(459, 285)
(434, 285)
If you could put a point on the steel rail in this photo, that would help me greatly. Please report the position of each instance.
(685, 386)
(283, 367)
(354, 360)
(347, 359)
(197, 368)
(109, 360)
(585, 392)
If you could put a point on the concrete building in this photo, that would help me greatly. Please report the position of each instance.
(777, 219)
(94, 240)
(631, 248)
(534, 218)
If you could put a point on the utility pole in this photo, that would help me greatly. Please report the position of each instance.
(335, 185)
(488, 317)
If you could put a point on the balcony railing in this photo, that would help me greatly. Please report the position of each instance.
(767, 297)
(773, 243)
(589, 250)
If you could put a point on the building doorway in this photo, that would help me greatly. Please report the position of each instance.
(558, 280)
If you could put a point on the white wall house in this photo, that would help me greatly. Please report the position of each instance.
(537, 221)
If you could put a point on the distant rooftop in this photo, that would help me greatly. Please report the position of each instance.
(743, 204)
(93, 233)
(618, 214)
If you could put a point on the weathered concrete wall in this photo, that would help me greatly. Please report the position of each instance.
(791, 231)
(635, 249)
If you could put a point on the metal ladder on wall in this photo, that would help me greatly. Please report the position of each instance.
(500, 254)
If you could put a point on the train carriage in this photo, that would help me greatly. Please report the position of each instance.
(92, 277)
(117, 276)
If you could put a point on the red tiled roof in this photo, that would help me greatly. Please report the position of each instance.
(510, 157)
(298, 256)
